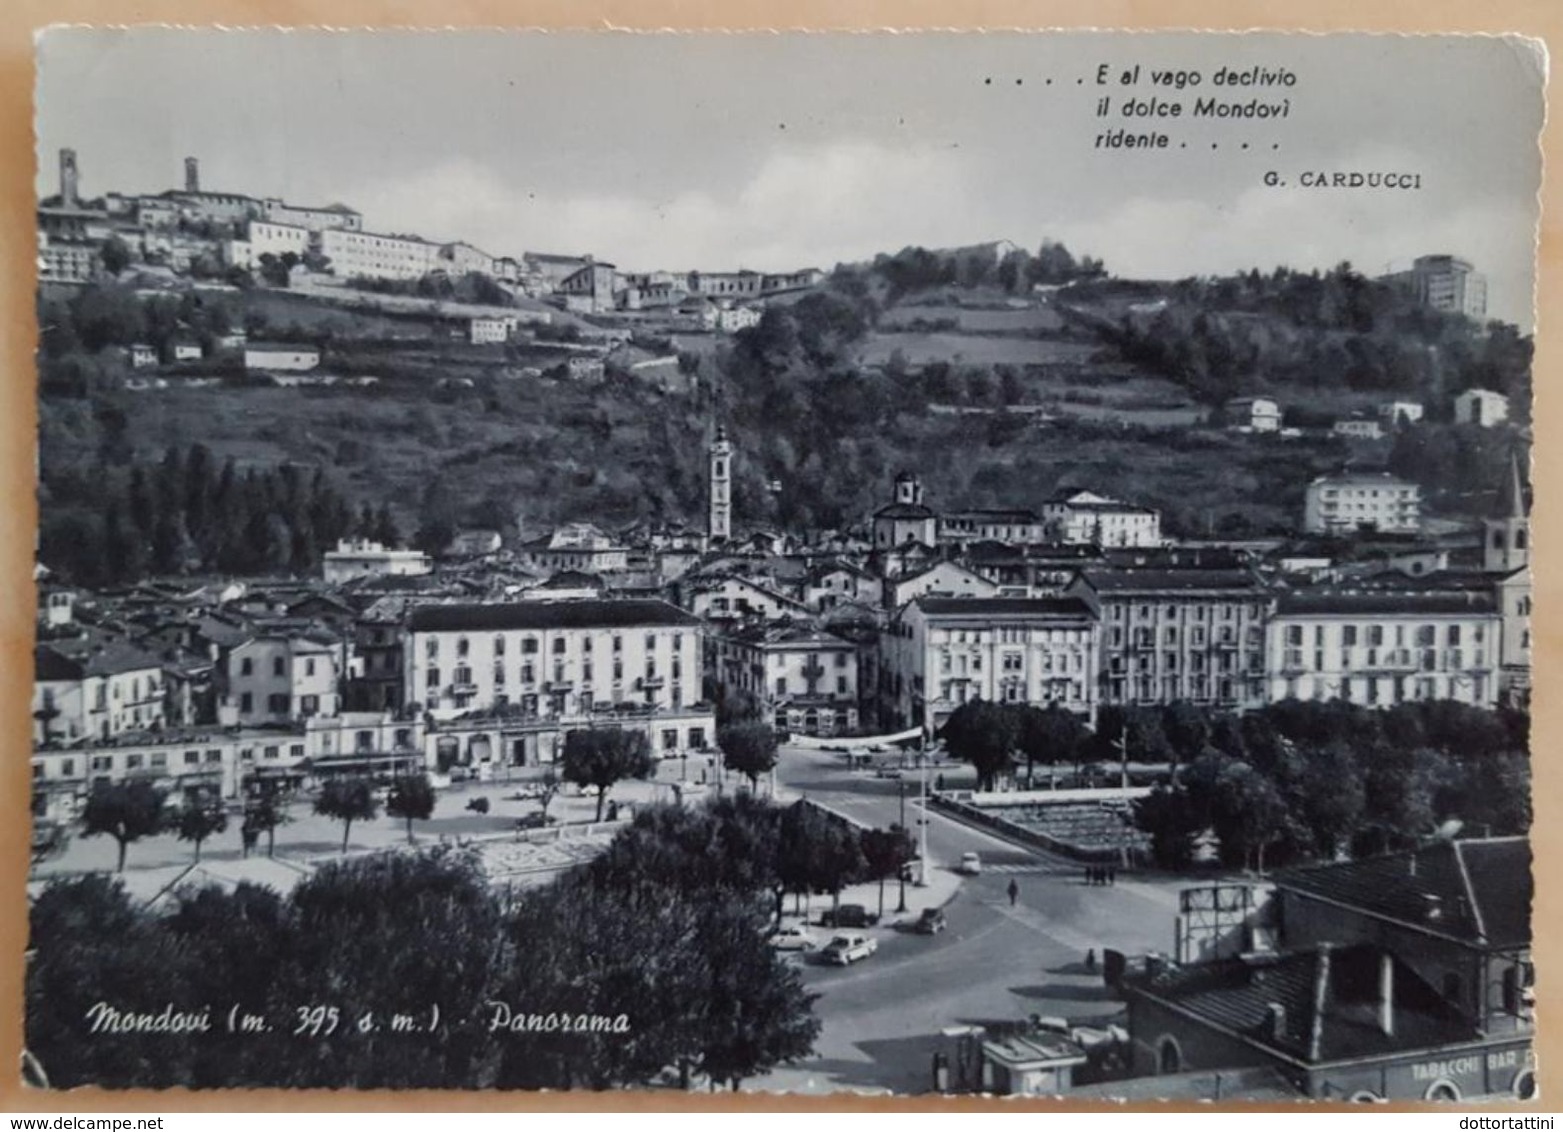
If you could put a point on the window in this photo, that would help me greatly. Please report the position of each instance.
(246, 703)
(270, 752)
(618, 643)
(277, 703)
(246, 667)
(279, 666)
(159, 760)
(132, 762)
(433, 679)
(499, 646)
(559, 646)
(432, 649)
(1348, 635)
(841, 685)
(528, 645)
(214, 757)
(309, 667)
(192, 758)
(499, 675)
(781, 685)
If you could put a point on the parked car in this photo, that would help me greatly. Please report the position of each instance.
(844, 949)
(932, 921)
(887, 772)
(792, 937)
(848, 916)
(971, 864)
(538, 820)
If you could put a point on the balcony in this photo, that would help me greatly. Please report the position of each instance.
(554, 687)
(468, 689)
(648, 683)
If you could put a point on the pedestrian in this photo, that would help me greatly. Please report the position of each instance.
(1014, 891)
(1090, 959)
(1112, 874)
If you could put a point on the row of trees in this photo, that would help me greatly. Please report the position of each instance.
(1297, 780)
(188, 514)
(663, 938)
(132, 811)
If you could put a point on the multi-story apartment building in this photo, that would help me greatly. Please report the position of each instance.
(94, 687)
(282, 678)
(1384, 647)
(265, 237)
(804, 680)
(376, 256)
(1355, 501)
(939, 653)
(1180, 633)
(1085, 517)
(1014, 527)
(507, 681)
(1444, 283)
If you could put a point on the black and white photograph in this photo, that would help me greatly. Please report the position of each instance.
(967, 564)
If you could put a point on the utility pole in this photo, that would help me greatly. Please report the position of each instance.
(1123, 751)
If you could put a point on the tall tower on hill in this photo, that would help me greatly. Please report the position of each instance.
(68, 189)
(192, 175)
(1506, 536)
(719, 523)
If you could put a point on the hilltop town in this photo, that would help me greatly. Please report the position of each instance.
(1083, 570)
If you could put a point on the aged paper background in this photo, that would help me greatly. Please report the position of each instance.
(20, 18)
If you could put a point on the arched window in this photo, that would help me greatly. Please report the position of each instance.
(1443, 1090)
(1169, 1057)
(1525, 1085)
(1519, 539)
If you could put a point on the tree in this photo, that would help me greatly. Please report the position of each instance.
(1170, 818)
(411, 798)
(1050, 735)
(264, 812)
(347, 800)
(126, 811)
(749, 748)
(363, 932)
(600, 757)
(115, 254)
(547, 790)
(886, 852)
(199, 819)
(983, 734)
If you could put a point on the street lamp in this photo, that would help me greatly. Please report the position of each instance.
(922, 858)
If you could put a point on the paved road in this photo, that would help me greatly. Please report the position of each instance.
(996, 962)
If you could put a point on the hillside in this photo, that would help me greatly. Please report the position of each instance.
(997, 396)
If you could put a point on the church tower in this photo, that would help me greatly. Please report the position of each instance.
(1506, 545)
(719, 524)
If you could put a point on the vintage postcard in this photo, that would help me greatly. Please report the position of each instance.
(969, 564)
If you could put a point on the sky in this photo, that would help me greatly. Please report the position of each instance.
(780, 151)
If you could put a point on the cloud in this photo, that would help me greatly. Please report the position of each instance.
(802, 206)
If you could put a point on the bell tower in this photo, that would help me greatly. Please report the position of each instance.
(1506, 536)
(719, 521)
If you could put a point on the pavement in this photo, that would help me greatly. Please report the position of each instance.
(885, 1017)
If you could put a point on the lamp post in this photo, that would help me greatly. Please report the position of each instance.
(922, 858)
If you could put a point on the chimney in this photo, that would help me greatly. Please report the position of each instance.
(68, 193)
(1321, 994)
(1386, 994)
(1275, 1022)
(192, 175)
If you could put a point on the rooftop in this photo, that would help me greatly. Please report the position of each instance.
(1271, 1001)
(1476, 891)
(1333, 601)
(991, 607)
(1153, 580)
(582, 614)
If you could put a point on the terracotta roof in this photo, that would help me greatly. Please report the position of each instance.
(1242, 995)
(1476, 891)
(904, 511)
